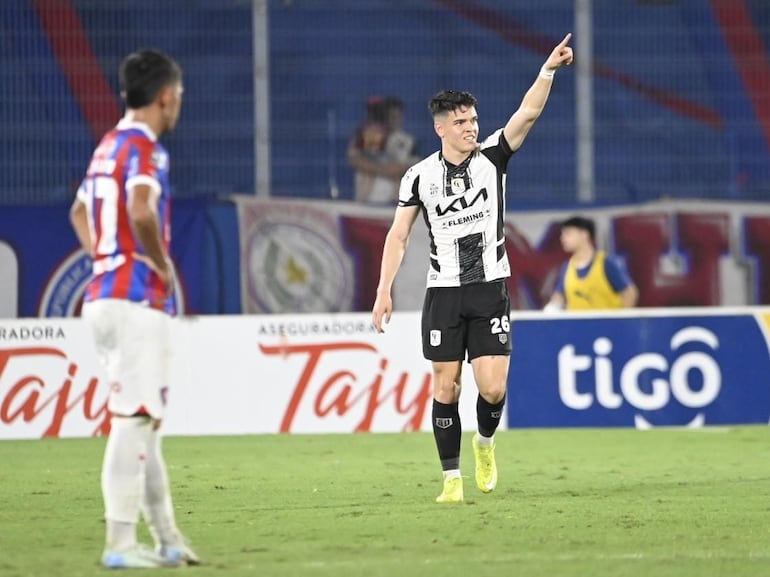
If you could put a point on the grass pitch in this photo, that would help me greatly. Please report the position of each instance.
(568, 503)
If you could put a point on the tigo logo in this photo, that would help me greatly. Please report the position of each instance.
(646, 381)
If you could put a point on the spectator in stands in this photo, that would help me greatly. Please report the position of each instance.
(381, 151)
(590, 279)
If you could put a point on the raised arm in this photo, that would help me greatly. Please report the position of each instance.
(392, 256)
(534, 100)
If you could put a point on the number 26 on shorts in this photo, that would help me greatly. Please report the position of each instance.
(501, 325)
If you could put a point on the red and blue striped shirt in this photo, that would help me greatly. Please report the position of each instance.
(127, 156)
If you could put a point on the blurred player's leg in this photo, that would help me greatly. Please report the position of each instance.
(158, 508)
(123, 477)
(156, 505)
(123, 473)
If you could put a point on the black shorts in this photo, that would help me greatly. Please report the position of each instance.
(474, 318)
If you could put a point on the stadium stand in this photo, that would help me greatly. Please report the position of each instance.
(682, 90)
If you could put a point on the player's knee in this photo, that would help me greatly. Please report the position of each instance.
(493, 392)
(446, 391)
(446, 386)
(447, 382)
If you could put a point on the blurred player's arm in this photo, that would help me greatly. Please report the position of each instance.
(396, 242)
(621, 282)
(556, 304)
(629, 296)
(79, 220)
(143, 214)
(558, 301)
(534, 100)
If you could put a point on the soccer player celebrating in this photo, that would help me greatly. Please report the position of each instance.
(121, 217)
(589, 280)
(461, 192)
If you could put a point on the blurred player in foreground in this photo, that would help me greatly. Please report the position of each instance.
(461, 192)
(590, 279)
(121, 216)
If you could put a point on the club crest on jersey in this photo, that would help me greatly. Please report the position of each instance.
(458, 185)
(435, 338)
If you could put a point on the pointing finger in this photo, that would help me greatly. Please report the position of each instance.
(564, 42)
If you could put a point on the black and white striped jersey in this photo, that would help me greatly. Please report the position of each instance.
(464, 207)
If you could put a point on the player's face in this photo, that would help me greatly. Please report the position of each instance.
(459, 129)
(572, 239)
(171, 102)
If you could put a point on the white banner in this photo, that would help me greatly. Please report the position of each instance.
(232, 375)
(50, 380)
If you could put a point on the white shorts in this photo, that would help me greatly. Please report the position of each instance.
(132, 342)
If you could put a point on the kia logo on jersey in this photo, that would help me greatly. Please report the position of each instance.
(462, 202)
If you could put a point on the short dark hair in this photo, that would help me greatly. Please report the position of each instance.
(581, 223)
(143, 74)
(449, 100)
(394, 102)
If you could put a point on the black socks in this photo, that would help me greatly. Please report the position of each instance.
(447, 431)
(488, 415)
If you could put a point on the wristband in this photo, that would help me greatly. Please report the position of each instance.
(546, 73)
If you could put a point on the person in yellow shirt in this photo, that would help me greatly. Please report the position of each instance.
(590, 279)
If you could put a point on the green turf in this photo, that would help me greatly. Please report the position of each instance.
(571, 502)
